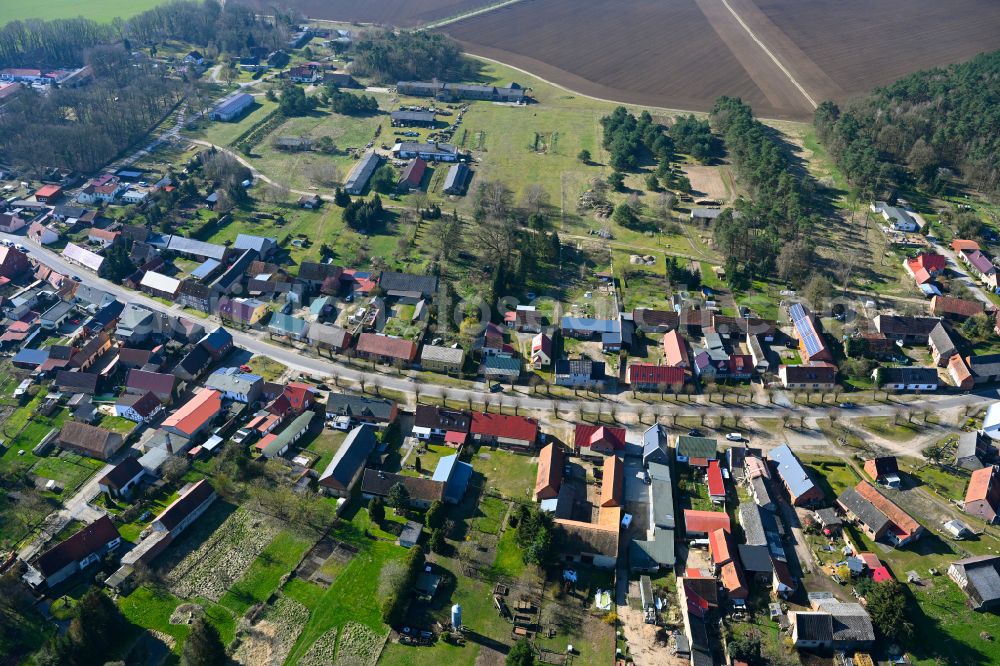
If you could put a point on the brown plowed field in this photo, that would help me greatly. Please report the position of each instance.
(405, 13)
(862, 44)
(655, 52)
(683, 54)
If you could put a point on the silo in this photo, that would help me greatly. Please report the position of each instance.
(456, 616)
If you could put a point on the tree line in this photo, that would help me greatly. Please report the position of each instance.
(233, 28)
(751, 235)
(915, 128)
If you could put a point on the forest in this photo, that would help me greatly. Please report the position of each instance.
(752, 234)
(920, 129)
(86, 127)
(232, 28)
(390, 57)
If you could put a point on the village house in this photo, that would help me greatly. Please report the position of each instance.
(518, 433)
(695, 451)
(941, 345)
(982, 497)
(123, 477)
(346, 411)
(195, 416)
(815, 376)
(580, 373)
(141, 408)
(74, 554)
(421, 492)
(440, 423)
(333, 339)
(271, 444)
(88, 440)
(801, 488)
(973, 449)
(386, 349)
(906, 378)
(235, 384)
(960, 374)
(442, 359)
(541, 351)
(648, 377)
(347, 465)
(592, 440)
(984, 368)
(981, 266)
(504, 368)
(246, 312)
(879, 518)
(884, 470)
(457, 180)
(812, 346)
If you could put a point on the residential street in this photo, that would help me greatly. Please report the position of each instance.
(257, 343)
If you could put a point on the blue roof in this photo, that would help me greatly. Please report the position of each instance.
(806, 329)
(319, 304)
(455, 475)
(32, 356)
(791, 470)
(205, 269)
(217, 339)
(592, 325)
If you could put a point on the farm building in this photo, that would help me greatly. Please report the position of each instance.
(457, 180)
(358, 179)
(232, 107)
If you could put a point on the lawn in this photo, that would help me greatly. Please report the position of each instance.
(949, 482)
(102, 12)
(510, 474)
(429, 459)
(68, 469)
(266, 367)
(151, 609)
(884, 427)
(490, 515)
(117, 424)
(508, 562)
(325, 445)
(351, 598)
(831, 472)
(264, 575)
(223, 134)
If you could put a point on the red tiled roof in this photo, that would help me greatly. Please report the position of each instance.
(48, 191)
(961, 245)
(979, 484)
(732, 580)
(881, 574)
(675, 348)
(716, 486)
(942, 305)
(647, 373)
(706, 521)
(612, 481)
(721, 546)
(501, 425)
(382, 345)
(588, 435)
(902, 520)
(549, 475)
(193, 414)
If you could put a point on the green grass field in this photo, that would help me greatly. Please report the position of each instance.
(263, 576)
(102, 11)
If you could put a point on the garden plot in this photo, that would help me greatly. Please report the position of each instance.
(358, 646)
(271, 637)
(224, 557)
(707, 182)
(321, 652)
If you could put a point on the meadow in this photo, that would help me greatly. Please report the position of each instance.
(102, 11)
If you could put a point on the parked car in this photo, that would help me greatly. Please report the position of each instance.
(735, 437)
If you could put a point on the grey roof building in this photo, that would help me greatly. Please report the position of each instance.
(425, 285)
(873, 519)
(979, 578)
(654, 446)
(347, 465)
(457, 179)
(661, 491)
(362, 172)
(794, 476)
